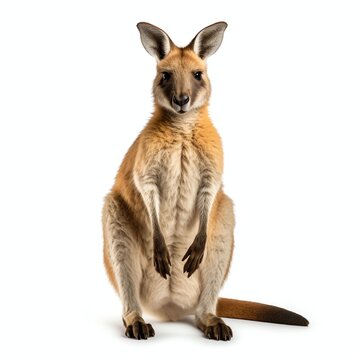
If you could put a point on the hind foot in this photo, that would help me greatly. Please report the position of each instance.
(214, 328)
(138, 329)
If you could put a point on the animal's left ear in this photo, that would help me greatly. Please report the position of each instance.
(208, 40)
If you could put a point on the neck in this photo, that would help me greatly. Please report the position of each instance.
(185, 121)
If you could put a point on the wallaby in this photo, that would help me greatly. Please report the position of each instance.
(168, 225)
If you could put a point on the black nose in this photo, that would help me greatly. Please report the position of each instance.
(181, 100)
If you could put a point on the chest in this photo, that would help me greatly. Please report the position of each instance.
(179, 181)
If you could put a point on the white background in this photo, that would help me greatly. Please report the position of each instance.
(75, 90)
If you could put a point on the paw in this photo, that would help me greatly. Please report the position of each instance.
(139, 330)
(218, 331)
(195, 254)
(162, 261)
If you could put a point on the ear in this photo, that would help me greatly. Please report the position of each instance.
(156, 42)
(208, 40)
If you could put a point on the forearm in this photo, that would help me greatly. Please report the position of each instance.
(149, 190)
(208, 189)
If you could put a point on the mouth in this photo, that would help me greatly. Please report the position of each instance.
(180, 109)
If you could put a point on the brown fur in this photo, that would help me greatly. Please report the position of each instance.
(248, 310)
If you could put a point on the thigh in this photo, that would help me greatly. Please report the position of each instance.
(220, 242)
(122, 250)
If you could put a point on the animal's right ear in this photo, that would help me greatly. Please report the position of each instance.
(156, 42)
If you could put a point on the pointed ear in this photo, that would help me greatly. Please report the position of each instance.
(208, 40)
(156, 42)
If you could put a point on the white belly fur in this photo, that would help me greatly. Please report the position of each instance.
(177, 296)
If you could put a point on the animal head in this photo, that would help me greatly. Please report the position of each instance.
(181, 84)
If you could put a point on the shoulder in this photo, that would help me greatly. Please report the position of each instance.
(207, 140)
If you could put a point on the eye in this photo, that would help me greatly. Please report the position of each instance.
(198, 75)
(166, 75)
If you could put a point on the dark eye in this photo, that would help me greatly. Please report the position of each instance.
(166, 75)
(198, 75)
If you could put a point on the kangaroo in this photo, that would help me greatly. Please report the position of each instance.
(168, 225)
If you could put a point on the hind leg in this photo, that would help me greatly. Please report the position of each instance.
(214, 269)
(120, 249)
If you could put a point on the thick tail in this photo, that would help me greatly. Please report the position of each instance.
(249, 310)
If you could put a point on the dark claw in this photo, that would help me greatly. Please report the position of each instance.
(129, 331)
(209, 332)
(162, 262)
(193, 262)
(218, 332)
(186, 254)
(152, 332)
(194, 254)
(139, 330)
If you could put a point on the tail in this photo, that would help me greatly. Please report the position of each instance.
(248, 310)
